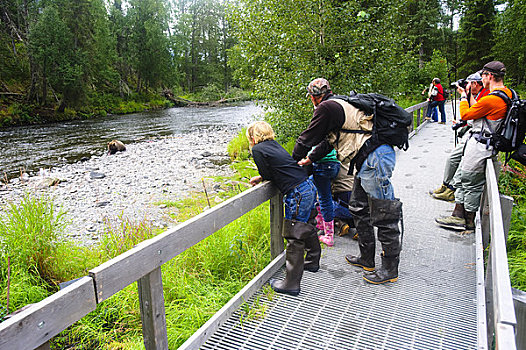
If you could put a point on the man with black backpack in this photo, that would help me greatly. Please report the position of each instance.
(354, 133)
(487, 115)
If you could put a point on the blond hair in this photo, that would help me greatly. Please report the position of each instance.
(260, 131)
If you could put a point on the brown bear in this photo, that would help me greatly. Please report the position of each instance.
(116, 146)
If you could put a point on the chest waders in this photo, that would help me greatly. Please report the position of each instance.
(386, 215)
(300, 237)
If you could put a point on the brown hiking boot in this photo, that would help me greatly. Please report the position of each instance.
(441, 189)
(452, 222)
(448, 195)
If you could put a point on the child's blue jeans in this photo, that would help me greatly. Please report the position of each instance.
(299, 201)
(323, 173)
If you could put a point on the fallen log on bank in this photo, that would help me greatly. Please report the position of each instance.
(181, 102)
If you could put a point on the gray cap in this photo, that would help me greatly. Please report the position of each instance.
(474, 77)
(495, 67)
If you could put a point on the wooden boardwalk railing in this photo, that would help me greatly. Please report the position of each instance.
(39, 323)
(497, 320)
(35, 326)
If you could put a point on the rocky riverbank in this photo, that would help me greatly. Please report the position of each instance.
(129, 185)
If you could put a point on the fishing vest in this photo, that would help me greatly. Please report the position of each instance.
(347, 145)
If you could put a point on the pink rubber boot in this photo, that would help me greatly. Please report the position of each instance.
(328, 237)
(319, 219)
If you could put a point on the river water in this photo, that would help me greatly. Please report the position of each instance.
(29, 148)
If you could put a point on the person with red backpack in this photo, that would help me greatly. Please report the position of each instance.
(437, 99)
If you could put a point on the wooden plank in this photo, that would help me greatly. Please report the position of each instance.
(213, 324)
(45, 346)
(519, 301)
(36, 325)
(153, 315)
(506, 203)
(415, 107)
(117, 273)
(276, 225)
(505, 337)
(502, 298)
(484, 208)
(482, 337)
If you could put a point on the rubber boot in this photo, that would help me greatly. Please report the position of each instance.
(366, 258)
(313, 249)
(359, 207)
(386, 215)
(294, 269)
(319, 219)
(387, 273)
(328, 237)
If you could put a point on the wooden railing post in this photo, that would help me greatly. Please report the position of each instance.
(276, 225)
(153, 316)
(506, 203)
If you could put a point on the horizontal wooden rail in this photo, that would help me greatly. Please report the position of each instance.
(115, 274)
(501, 322)
(421, 105)
(42, 321)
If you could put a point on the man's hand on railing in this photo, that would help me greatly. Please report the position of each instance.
(255, 180)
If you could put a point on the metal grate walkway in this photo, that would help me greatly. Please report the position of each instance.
(432, 306)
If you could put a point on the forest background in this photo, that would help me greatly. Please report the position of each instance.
(64, 59)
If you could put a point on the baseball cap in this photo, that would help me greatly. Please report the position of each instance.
(474, 77)
(318, 86)
(495, 67)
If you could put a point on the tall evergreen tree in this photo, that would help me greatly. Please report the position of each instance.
(475, 35)
(510, 46)
(150, 46)
(52, 46)
(202, 40)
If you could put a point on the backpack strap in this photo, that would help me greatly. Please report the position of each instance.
(505, 96)
(355, 131)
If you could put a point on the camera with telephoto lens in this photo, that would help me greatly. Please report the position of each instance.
(459, 125)
(460, 83)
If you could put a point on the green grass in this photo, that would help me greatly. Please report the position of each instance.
(512, 182)
(238, 147)
(197, 283)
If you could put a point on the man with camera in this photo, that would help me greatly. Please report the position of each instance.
(437, 99)
(475, 91)
(487, 114)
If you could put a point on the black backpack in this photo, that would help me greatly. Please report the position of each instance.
(510, 133)
(390, 123)
(445, 93)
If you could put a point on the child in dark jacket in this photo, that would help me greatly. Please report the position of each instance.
(276, 164)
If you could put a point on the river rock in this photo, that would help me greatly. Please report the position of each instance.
(133, 184)
(95, 175)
